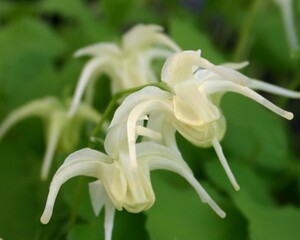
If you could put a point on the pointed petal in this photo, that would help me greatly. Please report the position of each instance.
(109, 219)
(91, 70)
(154, 53)
(34, 108)
(225, 86)
(146, 132)
(143, 36)
(267, 87)
(179, 67)
(56, 124)
(105, 48)
(97, 195)
(224, 163)
(83, 162)
(145, 107)
(235, 66)
(167, 163)
(149, 150)
(134, 99)
(158, 123)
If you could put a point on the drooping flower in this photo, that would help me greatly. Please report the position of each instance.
(59, 127)
(121, 183)
(127, 65)
(192, 105)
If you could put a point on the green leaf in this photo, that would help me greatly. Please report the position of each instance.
(27, 50)
(19, 181)
(91, 231)
(76, 194)
(81, 25)
(246, 176)
(178, 213)
(188, 37)
(269, 26)
(269, 223)
(254, 134)
(28, 34)
(118, 10)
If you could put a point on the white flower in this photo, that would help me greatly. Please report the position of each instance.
(128, 65)
(121, 184)
(192, 106)
(60, 128)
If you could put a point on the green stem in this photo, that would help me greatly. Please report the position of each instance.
(114, 100)
(246, 32)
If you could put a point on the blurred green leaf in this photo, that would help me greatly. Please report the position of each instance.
(28, 34)
(117, 11)
(76, 194)
(91, 231)
(266, 221)
(19, 205)
(271, 40)
(178, 213)
(188, 37)
(254, 134)
(28, 48)
(81, 25)
(246, 176)
(269, 223)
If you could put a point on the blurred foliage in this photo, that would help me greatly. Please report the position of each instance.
(37, 40)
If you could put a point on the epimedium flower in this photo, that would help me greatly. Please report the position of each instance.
(59, 127)
(127, 65)
(120, 183)
(191, 106)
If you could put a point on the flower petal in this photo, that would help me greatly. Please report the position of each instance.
(41, 108)
(166, 161)
(224, 163)
(97, 195)
(143, 36)
(56, 123)
(91, 70)
(225, 86)
(98, 49)
(91, 163)
(267, 87)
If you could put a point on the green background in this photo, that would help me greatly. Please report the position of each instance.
(37, 40)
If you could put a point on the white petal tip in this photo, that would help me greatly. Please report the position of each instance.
(289, 116)
(222, 214)
(44, 176)
(45, 218)
(237, 187)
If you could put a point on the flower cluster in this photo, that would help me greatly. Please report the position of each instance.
(128, 65)
(141, 135)
(189, 106)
